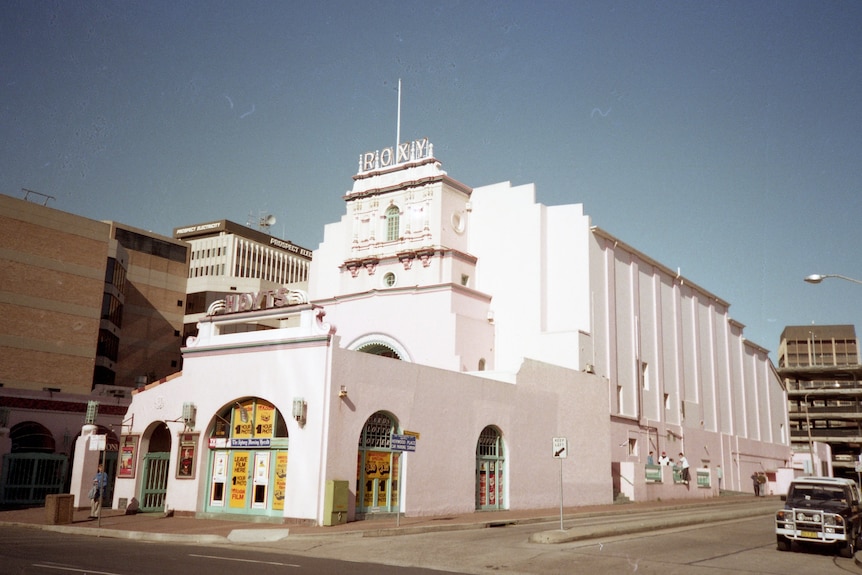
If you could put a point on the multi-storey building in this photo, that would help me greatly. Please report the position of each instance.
(89, 311)
(454, 345)
(820, 364)
(227, 257)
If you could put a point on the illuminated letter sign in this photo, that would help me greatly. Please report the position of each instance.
(392, 156)
(265, 299)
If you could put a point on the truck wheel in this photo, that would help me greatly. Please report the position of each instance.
(782, 543)
(848, 549)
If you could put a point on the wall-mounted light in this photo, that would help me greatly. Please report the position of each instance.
(343, 391)
(299, 409)
(189, 414)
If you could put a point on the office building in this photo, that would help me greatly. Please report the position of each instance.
(820, 365)
(90, 310)
(227, 257)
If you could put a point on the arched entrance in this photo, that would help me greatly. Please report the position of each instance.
(31, 470)
(248, 459)
(377, 471)
(490, 464)
(154, 485)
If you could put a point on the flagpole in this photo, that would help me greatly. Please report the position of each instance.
(398, 127)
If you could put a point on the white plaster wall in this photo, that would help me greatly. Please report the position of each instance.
(533, 260)
(449, 313)
(449, 410)
(716, 383)
(216, 378)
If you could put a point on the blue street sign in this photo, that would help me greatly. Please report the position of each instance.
(402, 442)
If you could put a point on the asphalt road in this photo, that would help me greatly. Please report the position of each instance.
(738, 546)
(27, 551)
(743, 546)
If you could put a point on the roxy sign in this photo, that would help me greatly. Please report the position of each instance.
(388, 157)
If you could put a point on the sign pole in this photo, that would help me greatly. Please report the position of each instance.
(561, 494)
(560, 451)
(100, 488)
(400, 464)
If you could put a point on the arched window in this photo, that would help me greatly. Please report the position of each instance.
(490, 463)
(379, 349)
(377, 477)
(393, 224)
(248, 459)
(380, 344)
(31, 437)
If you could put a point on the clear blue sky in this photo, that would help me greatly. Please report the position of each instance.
(721, 138)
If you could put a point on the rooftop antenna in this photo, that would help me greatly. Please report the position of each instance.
(398, 126)
(264, 221)
(45, 197)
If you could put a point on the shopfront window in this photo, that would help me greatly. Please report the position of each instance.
(377, 467)
(248, 459)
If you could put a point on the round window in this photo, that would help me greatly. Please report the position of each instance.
(389, 279)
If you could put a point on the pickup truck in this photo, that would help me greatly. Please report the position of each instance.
(822, 510)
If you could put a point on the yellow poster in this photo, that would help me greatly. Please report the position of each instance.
(242, 420)
(280, 480)
(377, 471)
(264, 418)
(239, 479)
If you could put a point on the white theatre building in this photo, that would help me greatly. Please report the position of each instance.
(452, 341)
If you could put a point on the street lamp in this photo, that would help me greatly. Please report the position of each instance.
(817, 278)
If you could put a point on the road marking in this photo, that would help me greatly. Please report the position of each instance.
(72, 569)
(244, 560)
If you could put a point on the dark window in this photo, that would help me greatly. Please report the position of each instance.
(103, 376)
(115, 275)
(108, 345)
(149, 245)
(112, 310)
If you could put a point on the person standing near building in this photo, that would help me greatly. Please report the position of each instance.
(97, 492)
(663, 460)
(761, 484)
(756, 484)
(683, 463)
(649, 459)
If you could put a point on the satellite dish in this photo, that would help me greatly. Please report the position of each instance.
(267, 221)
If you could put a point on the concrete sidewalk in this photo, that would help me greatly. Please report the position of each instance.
(227, 529)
